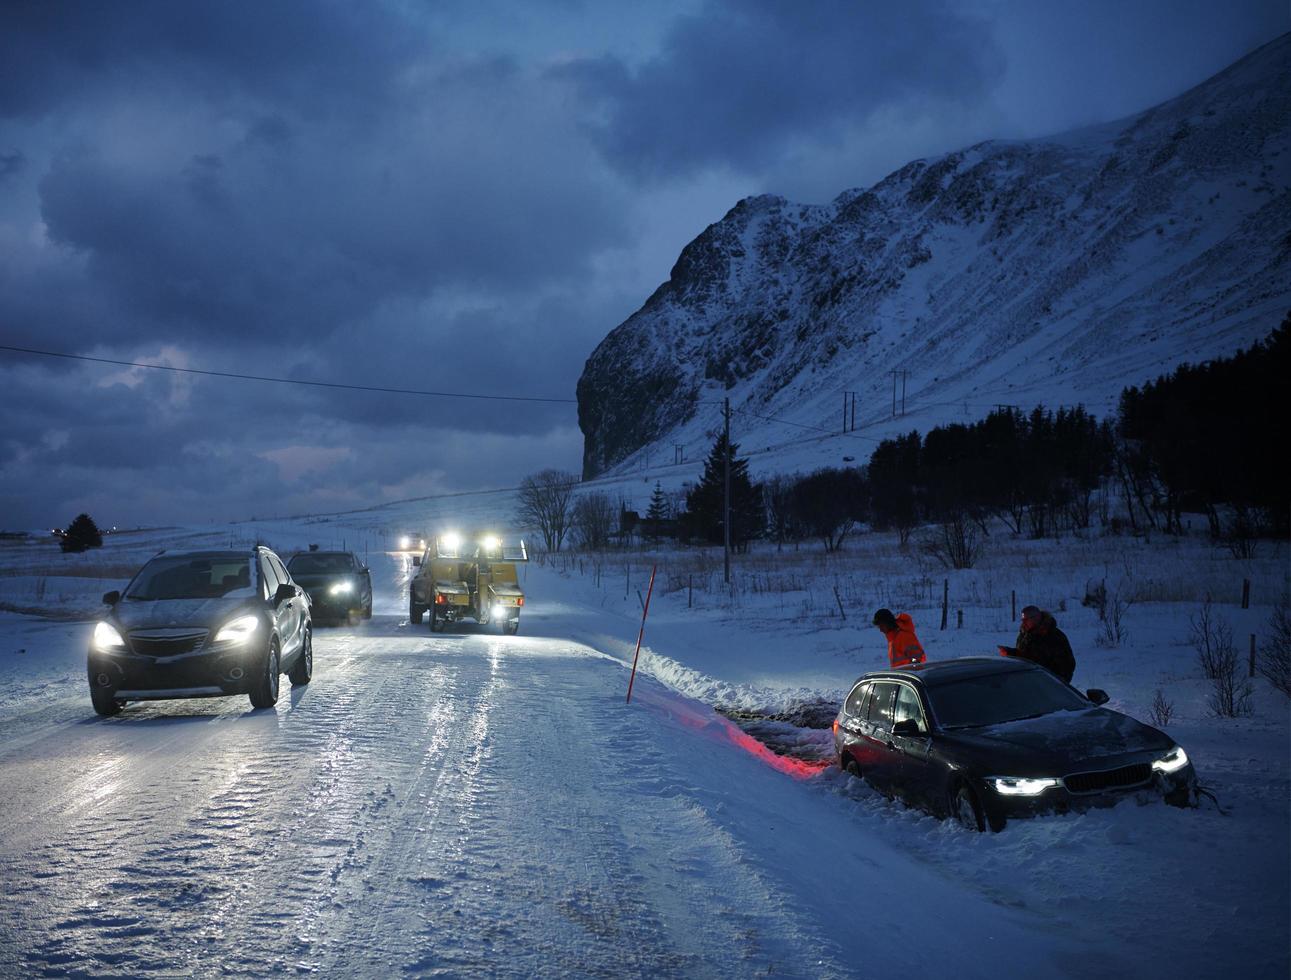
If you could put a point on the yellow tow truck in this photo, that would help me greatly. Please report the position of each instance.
(458, 579)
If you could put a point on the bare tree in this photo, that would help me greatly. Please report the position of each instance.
(1275, 653)
(545, 504)
(595, 516)
(1162, 709)
(954, 542)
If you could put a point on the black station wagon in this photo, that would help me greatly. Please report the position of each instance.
(984, 739)
(202, 624)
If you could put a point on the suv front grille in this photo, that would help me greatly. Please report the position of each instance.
(1097, 782)
(166, 642)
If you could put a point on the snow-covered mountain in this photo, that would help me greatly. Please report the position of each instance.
(1050, 271)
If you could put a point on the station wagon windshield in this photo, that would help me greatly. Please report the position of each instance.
(192, 578)
(993, 699)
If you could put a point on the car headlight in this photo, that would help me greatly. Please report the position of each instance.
(499, 611)
(340, 588)
(1020, 785)
(238, 630)
(1172, 761)
(107, 638)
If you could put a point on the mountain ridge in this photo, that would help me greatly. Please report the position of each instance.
(1053, 270)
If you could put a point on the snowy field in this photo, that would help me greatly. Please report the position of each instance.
(466, 803)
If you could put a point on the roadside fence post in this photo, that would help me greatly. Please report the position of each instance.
(645, 611)
(1252, 669)
(1246, 593)
(959, 619)
(1013, 606)
(945, 601)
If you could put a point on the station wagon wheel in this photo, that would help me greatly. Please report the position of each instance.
(265, 692)
(853, 768)
(965, 810)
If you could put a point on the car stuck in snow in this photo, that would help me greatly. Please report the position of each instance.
(202, 624)
(981, 740)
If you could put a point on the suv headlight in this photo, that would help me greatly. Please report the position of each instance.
(340, 588)
(238, 630)
(1020, 785)
(106, 638)
(1172, 761)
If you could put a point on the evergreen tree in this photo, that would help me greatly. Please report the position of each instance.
(704, 503)
(82, 534)
(657, 513)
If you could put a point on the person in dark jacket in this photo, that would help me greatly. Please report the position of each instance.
(904, 648)
(1041, 642)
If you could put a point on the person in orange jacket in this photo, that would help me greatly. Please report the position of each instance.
(904, 648)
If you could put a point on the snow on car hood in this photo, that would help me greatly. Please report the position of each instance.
(1088, 733)
(204, 613)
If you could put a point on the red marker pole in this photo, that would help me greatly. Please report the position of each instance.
(644, 613)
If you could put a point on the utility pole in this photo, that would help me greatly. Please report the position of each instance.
(726, 495)
(678, 453)
(894, 394)
(904, 375)
(849, 407)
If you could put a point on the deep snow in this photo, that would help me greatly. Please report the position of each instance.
(470, 803)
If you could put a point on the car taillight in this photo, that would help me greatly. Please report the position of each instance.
(440, 598)
(835, 726)
(520, 601)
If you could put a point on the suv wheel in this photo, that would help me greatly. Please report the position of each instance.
(303, 669)
(104, 703)
(265, 692)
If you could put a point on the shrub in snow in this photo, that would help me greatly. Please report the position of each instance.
(1162, 710)
(955, 542)
(1112, 617)
(82, 534)
(1212, 638)
(595, 516)
(1275, 653)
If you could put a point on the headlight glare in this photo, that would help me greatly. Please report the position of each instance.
(238, 630)
(1172, 761)
(1021, 785)
(340, 588)
(107, 638)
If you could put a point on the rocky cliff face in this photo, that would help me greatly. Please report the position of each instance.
(1055, 271)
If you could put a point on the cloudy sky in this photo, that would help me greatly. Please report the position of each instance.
(449, 196)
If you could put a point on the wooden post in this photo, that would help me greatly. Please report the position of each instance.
(839, 600)
(1013, 606)
(1246, 593)
(959, 619)
(1252, 669)
(690, 591)
(645, 611)
(945, 601)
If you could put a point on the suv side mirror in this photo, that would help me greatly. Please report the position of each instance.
(111, 598)
(416, 561)
(907, 726)
(284, 593)
(1097, 695)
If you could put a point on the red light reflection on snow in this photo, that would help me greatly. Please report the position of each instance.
(714, 726)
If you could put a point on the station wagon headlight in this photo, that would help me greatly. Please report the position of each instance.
(340, 588)
(238, 630)
(1020, 785)
(107, 638)
(1172, 761)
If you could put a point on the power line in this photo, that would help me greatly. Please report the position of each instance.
(289, 381)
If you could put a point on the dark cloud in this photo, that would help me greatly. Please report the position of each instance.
(737, 83)
(11, 164)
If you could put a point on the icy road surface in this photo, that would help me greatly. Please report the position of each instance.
(448, 805)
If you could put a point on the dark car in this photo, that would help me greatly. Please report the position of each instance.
(984, 739)
(202, 624)
(339, 585)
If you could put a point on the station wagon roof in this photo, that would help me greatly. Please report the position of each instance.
(936, 672)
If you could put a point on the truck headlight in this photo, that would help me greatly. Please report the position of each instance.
(499, 611)
(1020, 785)
(340, 588)
(238, 630)
(106, 638)
(1172, 761)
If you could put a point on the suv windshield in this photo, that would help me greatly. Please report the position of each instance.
(181, 577)
(319, 564)
(993, 699)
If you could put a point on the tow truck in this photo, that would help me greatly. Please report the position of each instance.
(458, 578)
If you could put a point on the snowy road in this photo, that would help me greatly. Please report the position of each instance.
(439, 805)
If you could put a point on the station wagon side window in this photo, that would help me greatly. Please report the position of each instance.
(907, 707)
(855, 705)
(880, 713)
